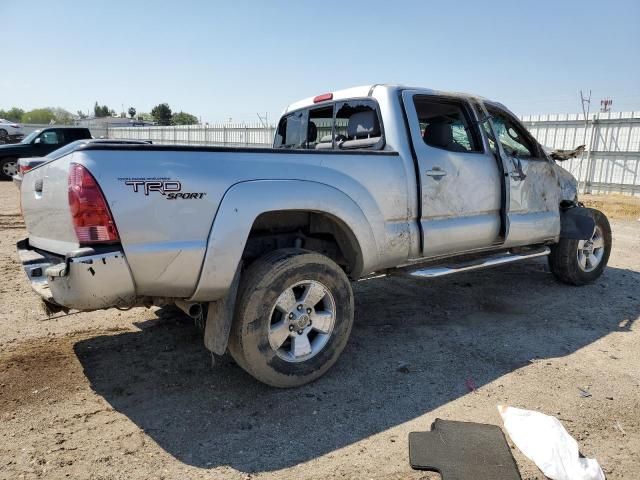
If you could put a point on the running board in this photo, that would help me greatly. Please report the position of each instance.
(441, 270)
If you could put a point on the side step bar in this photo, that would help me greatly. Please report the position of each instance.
(441, 270)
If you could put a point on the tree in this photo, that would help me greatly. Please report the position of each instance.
(162, 114)
(62, 116)
(81, 114)
(39, 115)
(101, 111)
(132, 112)
(184, 118)
(13, 115)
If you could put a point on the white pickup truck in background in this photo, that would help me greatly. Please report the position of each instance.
(265, 242)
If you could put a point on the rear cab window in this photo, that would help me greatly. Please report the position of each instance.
(341, 125)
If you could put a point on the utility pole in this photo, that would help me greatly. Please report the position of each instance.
(264, 120)
(585, 112)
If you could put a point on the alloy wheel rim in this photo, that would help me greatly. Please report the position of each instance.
(591, 251)
(302, 321)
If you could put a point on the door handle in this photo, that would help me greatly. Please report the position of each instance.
(436, 172)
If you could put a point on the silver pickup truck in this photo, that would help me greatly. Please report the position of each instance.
(263, 243)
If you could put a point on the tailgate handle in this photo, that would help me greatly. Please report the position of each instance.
(38, 186)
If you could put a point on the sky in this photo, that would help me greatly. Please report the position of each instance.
(234, 59)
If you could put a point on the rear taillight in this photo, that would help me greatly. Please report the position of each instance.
(24, 168)
(90, 213)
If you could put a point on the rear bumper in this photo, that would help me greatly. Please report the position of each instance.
(86, 279)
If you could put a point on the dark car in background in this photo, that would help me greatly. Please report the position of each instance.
(38, 143)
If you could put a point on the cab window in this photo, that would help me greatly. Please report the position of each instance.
(357, 125)
(50, 137)
(511, 136)
(291, 131)
(344, 125)
(446, 124)
(320, 128)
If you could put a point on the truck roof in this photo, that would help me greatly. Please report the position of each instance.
(367, 90)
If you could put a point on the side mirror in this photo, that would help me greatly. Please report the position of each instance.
(37, 141)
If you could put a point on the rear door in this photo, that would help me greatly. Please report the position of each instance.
(534, 205)
(460, 182)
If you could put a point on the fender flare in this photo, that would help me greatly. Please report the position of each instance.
(245, 201)
(576, 223)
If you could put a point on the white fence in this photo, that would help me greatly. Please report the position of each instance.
(247, 135)
(611, 163)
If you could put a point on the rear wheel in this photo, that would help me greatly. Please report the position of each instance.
(8, 168)
(578, 262)
(293, 317)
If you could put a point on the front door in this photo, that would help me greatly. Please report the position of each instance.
(534, 204)
(460, 182)
(50, 140)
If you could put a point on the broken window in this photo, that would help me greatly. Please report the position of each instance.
(511, 136)
(291, 131)
(357, 125)
(446, 124)
(319, 128)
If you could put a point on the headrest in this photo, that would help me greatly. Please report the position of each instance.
(363, 124)
(312, 132)
(438, 135)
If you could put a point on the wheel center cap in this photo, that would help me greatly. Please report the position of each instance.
(301, 322)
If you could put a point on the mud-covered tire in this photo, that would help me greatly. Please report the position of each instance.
(7, 166)
(564, 260)
(262, 285)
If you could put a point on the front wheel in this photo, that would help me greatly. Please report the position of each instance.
(579, 262)
(293, 317)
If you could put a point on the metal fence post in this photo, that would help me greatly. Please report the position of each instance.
(589, 180)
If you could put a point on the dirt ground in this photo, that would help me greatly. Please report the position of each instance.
(134, 395)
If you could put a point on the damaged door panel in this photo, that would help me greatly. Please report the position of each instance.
(534, 197)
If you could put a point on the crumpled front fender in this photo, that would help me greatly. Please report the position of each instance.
(567, 183)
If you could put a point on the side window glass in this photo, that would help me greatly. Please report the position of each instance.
(357, 125)
(490, 137)
(291, 131)
(511, 137)
(49, 137)
(446, 124)
(319, 128)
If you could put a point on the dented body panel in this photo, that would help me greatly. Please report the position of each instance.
(185, 214)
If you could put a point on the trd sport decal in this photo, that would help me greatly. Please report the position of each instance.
(170, 189)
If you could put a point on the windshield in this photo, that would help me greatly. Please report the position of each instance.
(29, 138)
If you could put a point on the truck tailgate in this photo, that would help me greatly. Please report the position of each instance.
(45, 207)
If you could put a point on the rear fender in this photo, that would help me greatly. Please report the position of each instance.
(245, 201)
